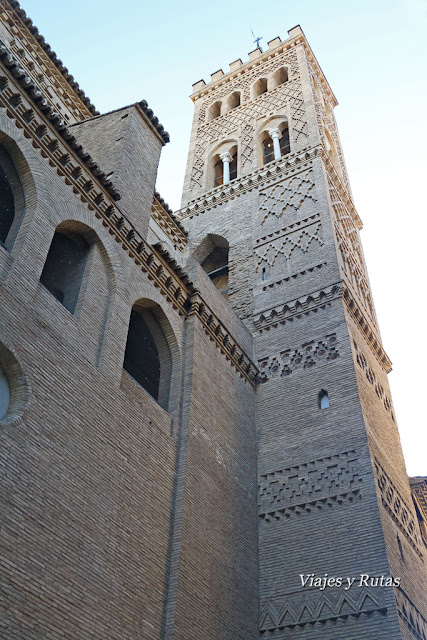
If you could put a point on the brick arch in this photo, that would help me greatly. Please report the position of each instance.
(232, 146)
(169, 355)
(18, 155)
(280, 121)
(98, 286)
(17, 380)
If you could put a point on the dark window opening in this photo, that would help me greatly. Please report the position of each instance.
(216, 266)
(12, 203)
(233, 167)
(268, 150)
(7, 206)
(142, 360)
(323, 400)
(4, 394)
(63, 270)
(285, 145)
(218, 173)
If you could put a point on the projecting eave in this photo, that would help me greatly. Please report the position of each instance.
(55, 119)
(145, 113)
(52, 55)
(256, 57)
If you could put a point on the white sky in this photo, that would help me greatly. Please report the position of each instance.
(373, 53)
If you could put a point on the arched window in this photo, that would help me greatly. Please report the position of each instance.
(216, 265)
(12, 202)
(323, 399)
(219, 173)
(4, 394)
(267, 150)
(147, 355)
(214, 110)
(259, 87)
(234, 100)
(279, 77)
(65, 263)
(275, 143)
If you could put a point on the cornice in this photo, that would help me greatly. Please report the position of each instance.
(43, 127)
(163, 216)
(277, 169)
(51, 54)
(258, 59)
(50, 114)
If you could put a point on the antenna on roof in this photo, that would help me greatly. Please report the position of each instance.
(257, 40)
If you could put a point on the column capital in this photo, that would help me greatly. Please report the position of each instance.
(226, 157)
(274, 133)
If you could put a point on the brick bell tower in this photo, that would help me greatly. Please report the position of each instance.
(271, 218)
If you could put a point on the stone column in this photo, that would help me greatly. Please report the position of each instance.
(275, 135)
(226, 159)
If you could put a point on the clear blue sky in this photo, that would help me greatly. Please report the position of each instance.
(374, 56)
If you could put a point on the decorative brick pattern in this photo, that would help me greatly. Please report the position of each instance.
(297, 308)
(304, 357)
(296, 610)
(372, 379)
(288, 95)
(310, 486)
(410, 615)
(398, 509)
(297, 238)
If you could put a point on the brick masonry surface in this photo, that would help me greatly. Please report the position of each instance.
(193, 517)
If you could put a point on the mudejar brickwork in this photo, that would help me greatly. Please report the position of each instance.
(198, 437)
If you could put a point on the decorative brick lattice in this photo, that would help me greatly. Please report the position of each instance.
(398, 509)
(410, 615)
(326, 120)
(348, 241)
(244, 83)
(372, 379)
(296, 241)
(289, 195)
(302, 608)
(305, 357)
(241, 119)
(309, 487)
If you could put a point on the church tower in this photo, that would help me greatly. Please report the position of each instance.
(270, 216)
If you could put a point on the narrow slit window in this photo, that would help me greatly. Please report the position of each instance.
(323, 400)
